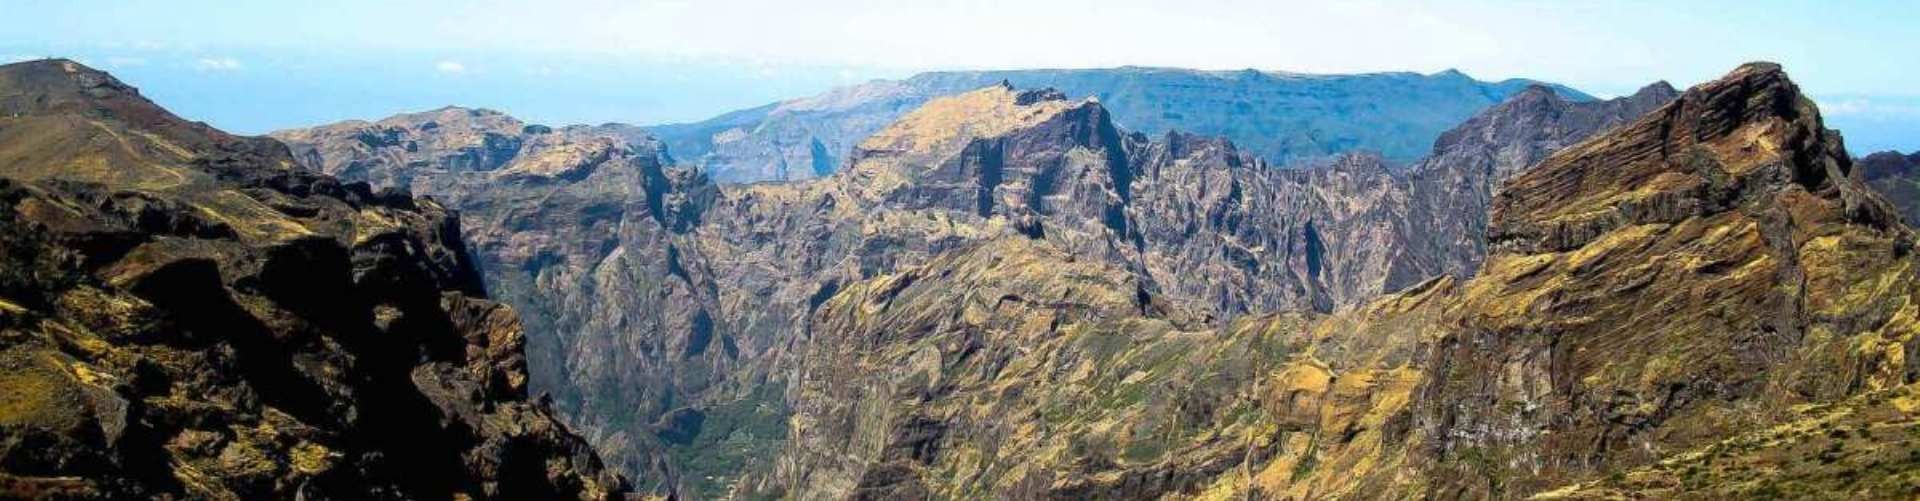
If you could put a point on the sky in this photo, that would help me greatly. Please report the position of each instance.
(256, 66)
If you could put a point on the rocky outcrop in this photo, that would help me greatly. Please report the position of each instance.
(579, 228)
(1452, 189)
(1279, 117)
(1672, 283)
(1678, 276)
(184, 314)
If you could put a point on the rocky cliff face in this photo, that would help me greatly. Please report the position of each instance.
(577, 227)
(1453, 187)
(1652, 295)
(183, 313)
(1279, 117)
(668, 312)
(1706, 266)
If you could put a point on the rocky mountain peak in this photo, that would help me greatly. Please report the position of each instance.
(1515, 134)
(1886, 164)
(1519, 115)
(1659, 91)
(998, 150)
(64, 88)
(1719, 145)
(60, 81)
(952, 121)
(1533, 92)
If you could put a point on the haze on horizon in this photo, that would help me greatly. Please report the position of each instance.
(259, 66)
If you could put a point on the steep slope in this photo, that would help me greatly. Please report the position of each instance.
(185, 314)
(1279, 117)
(1452, 188)
(1896, 177)
(1686, 273)
(1666, 285)
(666, 312)
(577, 227)
(1670, 285)
(1012, 369)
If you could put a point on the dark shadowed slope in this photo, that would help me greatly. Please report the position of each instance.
(1897, 177)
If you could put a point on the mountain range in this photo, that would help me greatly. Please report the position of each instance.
(1000, 291)
(726, 279)
(1280, 117)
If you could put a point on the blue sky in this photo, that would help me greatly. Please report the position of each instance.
(256, 66)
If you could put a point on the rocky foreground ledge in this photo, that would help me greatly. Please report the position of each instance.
(185, 315)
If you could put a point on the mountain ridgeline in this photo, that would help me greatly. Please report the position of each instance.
(996, 291)
(1282, 118)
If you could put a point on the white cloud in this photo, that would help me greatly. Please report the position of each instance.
(450, 67)
(216, 64)
(1864, 107)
